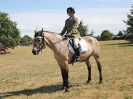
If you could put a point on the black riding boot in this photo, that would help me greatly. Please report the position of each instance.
(77, 54)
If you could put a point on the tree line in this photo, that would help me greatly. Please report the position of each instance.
(108, 35)
(10, 34)
(122, 34)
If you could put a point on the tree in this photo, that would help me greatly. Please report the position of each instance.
(8, 41)
(106, 35)
(9, 34)
(129, 23)
(83, 29)
(26, 41)
(120, 33)
(98, 37)
(92, 33)
(119, 36)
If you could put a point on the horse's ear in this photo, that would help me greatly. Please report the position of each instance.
(42, 29)
(42, 32)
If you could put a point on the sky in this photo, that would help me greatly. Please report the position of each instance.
(31, 15)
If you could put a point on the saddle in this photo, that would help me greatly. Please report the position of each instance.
(83, 47)
(80, 43)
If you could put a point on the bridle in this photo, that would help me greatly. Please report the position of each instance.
(41, 37)
(41, 43)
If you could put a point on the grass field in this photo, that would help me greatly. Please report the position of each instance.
(25, 76)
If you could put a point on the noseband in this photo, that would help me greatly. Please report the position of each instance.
(42, 44)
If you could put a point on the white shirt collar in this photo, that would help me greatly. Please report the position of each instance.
(71, 18)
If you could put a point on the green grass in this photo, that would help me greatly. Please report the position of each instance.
(23, 75)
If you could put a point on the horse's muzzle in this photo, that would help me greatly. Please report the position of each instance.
(35, 52)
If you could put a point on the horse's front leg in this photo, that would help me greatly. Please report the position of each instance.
(89, 70)
(65, 79)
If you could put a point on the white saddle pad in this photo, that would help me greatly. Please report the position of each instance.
(81, 43)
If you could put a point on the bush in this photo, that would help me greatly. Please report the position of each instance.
(8, 41)
(26, 41)
(106, 35)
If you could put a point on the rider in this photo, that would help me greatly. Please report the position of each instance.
(70, 28)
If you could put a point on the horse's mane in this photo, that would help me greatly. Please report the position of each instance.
(51, 32)
(54, 34)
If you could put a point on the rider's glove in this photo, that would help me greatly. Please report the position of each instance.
(65, 36)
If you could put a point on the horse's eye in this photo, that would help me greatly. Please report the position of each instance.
(39, 40)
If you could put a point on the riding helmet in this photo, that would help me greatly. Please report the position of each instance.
(70, 9)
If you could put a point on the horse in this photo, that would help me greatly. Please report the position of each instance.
(3, 48)
(63, 56)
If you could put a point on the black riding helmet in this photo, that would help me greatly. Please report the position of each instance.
(70, 9)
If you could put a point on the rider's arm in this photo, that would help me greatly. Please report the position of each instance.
(64, 29)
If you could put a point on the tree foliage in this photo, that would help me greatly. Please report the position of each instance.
(83, 29)
(106, 35)
(26, 41)
(119, 36)
(129, 23)
(120, 33)
(9, 34)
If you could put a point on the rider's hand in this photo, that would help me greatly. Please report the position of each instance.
(65, 37)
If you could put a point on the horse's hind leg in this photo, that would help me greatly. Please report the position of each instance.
(89, 70)
(99, 68)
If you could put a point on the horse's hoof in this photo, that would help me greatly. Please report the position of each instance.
(100, 82)
(88, 81)
(66, 90)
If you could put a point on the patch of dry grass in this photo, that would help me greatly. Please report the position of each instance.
(23, 75)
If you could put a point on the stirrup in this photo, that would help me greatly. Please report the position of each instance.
(77, 58)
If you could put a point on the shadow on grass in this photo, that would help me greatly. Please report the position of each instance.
(122, 44)
(28, 92)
